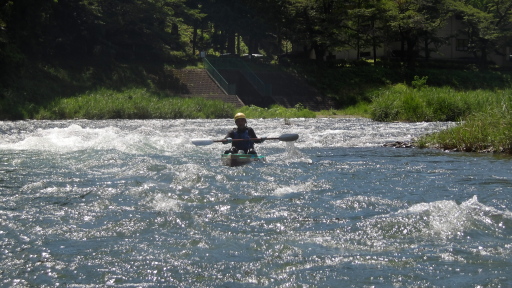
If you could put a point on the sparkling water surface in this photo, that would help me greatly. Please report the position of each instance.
(136, 204)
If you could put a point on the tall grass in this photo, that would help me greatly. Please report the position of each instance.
(133, 104)
(489, 131)
(403, 103)
(140, 103)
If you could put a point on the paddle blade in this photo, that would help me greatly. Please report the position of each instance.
(202, 142)
(288, 137)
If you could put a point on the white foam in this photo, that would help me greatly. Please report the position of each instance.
(164, 203)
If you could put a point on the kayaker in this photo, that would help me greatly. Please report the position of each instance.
(241, 132)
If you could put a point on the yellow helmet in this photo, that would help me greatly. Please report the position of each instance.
(239, 115)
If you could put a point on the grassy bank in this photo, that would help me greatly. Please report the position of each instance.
(355, 84)
(44, 90)
(144, 104)
(484, 116)
(132, 104)
(403, 103)
(489, 131)
(70, 90)
(480, 100)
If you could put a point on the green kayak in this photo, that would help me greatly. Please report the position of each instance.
(233, 160)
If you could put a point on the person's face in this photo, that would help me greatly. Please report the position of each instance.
(240, 123)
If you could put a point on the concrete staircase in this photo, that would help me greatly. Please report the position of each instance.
(197, 83)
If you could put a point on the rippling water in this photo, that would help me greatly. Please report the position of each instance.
(134, 203)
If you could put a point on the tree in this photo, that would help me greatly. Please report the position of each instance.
(488, 25)
(242, 20)
(365, 25)
(25, 23)
(111, 28)
(318, 24)
(413, 20)
(141, 28)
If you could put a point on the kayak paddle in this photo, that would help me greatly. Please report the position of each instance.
(284, 137)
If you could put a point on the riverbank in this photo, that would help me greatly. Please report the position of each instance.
(53, 92)
(489, 132)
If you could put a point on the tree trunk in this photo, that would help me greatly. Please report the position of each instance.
(402, 49)
(411, 53)
(238, 39)
(358, 49)
(194, 38)
(483, 59)
(231, 39)
(427, 51)
(374, 51)
(279, 42)
(374, 43)
(319, 51)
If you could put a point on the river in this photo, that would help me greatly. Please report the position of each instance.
(135, 204)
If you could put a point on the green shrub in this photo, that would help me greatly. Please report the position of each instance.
(419, 83)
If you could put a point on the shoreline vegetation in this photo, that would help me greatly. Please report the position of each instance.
(115, 59)
(481, 101)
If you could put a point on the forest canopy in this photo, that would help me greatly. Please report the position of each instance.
(146, 30)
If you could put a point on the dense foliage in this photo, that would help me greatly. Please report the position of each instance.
(58, 49)
(158, 29)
